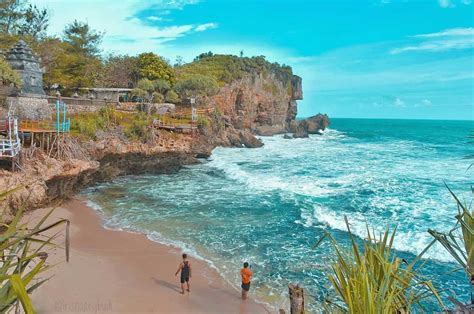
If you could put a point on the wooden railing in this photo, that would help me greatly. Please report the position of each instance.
(45, 126)
(9, 148)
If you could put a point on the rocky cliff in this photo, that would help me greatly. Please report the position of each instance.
(261, 103)
(257, 104)
(259, 99)
(255, 97)
(45, 180)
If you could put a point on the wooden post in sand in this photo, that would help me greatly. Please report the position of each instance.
(296, 299)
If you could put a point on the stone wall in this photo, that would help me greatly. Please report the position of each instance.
(29, 108)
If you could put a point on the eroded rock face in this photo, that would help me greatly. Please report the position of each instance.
(301, 132)
(45, 180)
(263, 104)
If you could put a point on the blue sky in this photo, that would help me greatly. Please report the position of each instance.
(362, 59)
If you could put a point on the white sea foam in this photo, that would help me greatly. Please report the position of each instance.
(405, 240)
(94, 206)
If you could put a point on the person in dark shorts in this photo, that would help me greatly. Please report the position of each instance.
(185, 269)
(246, 275)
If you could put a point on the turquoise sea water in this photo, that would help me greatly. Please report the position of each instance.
(268, 206)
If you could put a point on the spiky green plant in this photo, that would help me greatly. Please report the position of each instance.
(372, 279)
(22, 258)
(459, 241)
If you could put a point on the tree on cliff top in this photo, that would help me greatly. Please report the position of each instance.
(72, 62)
(197, 85)
(153, 67)
(82, 39)
(227, 68)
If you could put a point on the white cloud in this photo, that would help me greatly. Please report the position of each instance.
(155, 18)
(399, 103)
(437, 46)
(466, 2)
(426, 102)
(468, 31)
(174, 4)
(124, 33)
(206, 26)
(449, 39)
(423, 103)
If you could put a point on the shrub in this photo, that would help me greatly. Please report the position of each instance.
(374, 280)
(23, 258)
(158, 97)
(152, 91)
(86, 124)
(197, 85)
(137, 128)
(172, 97)
(459, 241)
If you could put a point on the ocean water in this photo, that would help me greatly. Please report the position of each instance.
(268, 206)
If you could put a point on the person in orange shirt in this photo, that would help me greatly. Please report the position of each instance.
(246, 275)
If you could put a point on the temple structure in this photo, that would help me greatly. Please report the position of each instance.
(23, 61)
(30, 101)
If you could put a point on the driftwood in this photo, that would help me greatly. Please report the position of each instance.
(296, 299)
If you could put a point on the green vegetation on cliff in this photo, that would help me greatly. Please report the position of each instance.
(227, 68)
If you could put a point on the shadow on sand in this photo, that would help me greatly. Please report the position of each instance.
(166, 284)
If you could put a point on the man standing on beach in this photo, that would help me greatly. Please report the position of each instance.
(185, 269)
(246, 275)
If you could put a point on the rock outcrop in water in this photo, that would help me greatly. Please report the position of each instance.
(312, 125)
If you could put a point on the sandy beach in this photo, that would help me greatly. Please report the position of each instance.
(115, 271)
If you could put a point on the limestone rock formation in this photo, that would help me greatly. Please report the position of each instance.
(262, 103)
(311, 125)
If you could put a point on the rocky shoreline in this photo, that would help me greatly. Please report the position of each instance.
(45, 181)
(256, 105)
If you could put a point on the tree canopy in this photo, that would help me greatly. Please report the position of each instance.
(119, 71)
(150, 90)
(197, 85)
(17, 17)
(227, 68)
(82, 39)
(151, 66)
